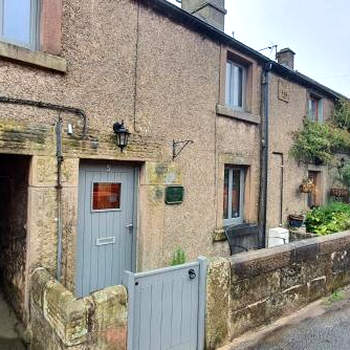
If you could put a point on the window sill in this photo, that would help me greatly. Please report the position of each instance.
(243, 116)
(36, 58)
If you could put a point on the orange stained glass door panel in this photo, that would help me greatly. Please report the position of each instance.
(106, 196)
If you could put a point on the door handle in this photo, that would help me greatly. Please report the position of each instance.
(129, 226)
(192, 274)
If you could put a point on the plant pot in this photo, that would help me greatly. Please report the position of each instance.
(306, 188)
(295, 220)
(339, 192)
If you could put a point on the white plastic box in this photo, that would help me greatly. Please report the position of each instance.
(277, 236)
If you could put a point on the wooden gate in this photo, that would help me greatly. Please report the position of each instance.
(166, 307)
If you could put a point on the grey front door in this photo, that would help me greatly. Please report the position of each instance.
(105, 225)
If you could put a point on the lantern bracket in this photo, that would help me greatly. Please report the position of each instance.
(178, 147)
(122, 134)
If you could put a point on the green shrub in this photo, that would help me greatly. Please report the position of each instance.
(330, 218)
(179, 257)
(341, 115)
(320, 141)
(344, 174)
(316, 141)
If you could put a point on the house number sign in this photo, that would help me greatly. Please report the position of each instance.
(174, 194)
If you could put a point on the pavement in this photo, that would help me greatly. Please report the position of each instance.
(9, 328)
(323, 325)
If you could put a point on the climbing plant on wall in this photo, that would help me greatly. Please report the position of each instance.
(341, 115)
(318, 142)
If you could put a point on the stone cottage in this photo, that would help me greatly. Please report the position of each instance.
(204, 113)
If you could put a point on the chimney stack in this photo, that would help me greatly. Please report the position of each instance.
(211, 11)
(285, 57)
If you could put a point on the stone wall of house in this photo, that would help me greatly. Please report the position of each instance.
(61, 322)
(287, 116)
(252, 289)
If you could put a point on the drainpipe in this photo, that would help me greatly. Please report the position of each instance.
(59, 156)
(264, 168)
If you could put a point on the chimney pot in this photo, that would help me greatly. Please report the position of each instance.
(285, 57)
(211, 11)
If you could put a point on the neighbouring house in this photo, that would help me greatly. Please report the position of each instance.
(210, 124)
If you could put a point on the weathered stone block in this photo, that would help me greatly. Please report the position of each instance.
(218, 291)
(248, 291)
(317, 288)
(258, 262)
(253, 315)
(40, 279)
(67, 315)
(291, 275)
(110, 308)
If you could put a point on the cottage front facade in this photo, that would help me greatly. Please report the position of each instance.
(209, 121)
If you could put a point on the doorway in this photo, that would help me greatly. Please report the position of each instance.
(14, 174)
(106, 222)
(313, 198)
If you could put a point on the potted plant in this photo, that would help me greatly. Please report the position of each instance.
(339, 192)
(295, 220)
(307, 186)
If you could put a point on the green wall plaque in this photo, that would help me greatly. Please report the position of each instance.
(174, 194)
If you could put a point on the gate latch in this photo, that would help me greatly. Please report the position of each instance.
(192, 274)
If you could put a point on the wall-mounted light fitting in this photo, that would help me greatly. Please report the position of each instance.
(122, 134)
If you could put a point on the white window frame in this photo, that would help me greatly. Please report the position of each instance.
(238, 220)
(229, 92)
(34, 26)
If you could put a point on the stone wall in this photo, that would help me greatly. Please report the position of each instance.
(59, 321)
(13, 229)
(253, 289)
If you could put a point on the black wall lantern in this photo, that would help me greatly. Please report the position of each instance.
(122, 134)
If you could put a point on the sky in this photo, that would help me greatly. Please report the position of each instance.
(318, 31)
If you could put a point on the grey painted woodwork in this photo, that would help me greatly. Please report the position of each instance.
(105, 237)
(166, 307)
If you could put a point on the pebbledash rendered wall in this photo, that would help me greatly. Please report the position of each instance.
(116, 62)
(253, 289)
(287, 116)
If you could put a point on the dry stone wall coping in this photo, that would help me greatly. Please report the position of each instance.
(249, 290)
(98, 321)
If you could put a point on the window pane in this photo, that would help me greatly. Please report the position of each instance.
(16, 20)
(228, 83)
(106, 196)
(234, 85)
(226, 184)
(313, 109)
(240, 87)
(236, 188)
